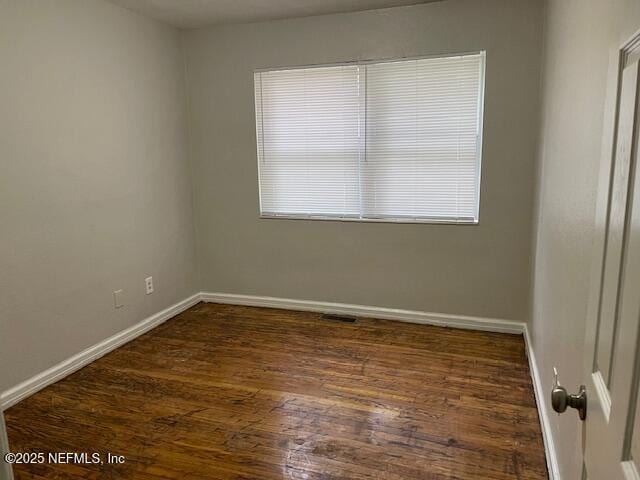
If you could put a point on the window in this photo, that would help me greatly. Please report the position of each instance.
(387, 141)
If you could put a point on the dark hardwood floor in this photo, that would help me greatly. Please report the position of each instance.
(229, 392)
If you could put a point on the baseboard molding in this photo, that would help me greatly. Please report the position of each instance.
(29, 387)
(412, 316)
(38, 382)
(543, 411)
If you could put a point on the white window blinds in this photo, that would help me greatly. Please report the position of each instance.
(397, 140)
(308, 141)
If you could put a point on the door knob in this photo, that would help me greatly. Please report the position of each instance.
(560, 399)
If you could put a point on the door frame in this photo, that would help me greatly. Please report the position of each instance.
(6, 472)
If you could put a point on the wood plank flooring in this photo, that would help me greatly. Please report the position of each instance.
(230, 392)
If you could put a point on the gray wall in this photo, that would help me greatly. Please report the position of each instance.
(479, 270)
(581, 39)
(94, 183)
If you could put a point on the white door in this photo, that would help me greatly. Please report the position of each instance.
(612, 428)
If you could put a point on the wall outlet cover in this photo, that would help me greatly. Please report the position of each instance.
(148, 282)
(118, 298)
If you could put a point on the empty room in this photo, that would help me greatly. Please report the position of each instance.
(320, 239)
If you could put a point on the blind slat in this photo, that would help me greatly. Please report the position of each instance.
(394, 140)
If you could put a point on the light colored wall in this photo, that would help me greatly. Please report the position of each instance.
(581, 39)
(94, 180)
(476, 270)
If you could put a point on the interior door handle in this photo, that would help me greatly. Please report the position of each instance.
(560, 399)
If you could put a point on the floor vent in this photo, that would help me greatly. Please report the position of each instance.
(338, 318)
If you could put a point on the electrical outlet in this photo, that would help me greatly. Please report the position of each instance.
(148, 282)
(118, 300)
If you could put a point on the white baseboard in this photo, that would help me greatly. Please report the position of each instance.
(412, 316)
(38, 382)
(61, 370)
(543, 411)
(456, 321)
(32, 385)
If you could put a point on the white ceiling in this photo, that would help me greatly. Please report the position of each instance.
(199, 13)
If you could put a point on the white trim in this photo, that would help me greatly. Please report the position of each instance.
(32, 385)
(603, 394)
(629, 470)
(370, 61)
(543, 413)
(389, 219)
(412, 316)
(61, 370)
(6, 472)
(362, 98)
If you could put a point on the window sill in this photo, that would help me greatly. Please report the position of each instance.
(440, 221)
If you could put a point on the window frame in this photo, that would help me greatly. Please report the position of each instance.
(407, 219)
